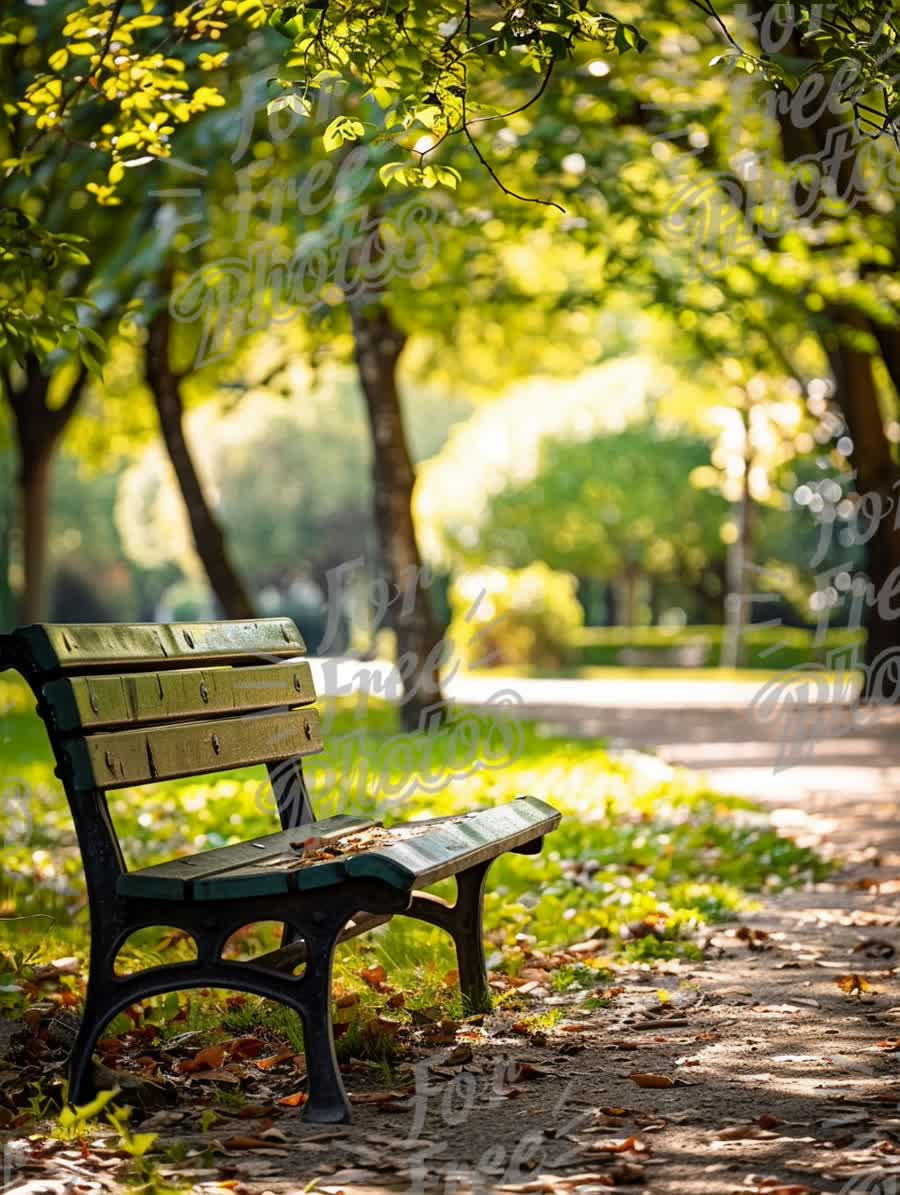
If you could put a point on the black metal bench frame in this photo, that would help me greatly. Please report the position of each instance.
(218, 708)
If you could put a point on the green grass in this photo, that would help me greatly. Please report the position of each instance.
(638, 840)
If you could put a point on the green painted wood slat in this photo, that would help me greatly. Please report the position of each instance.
(117, 759)
(97, 702)
(51, 648)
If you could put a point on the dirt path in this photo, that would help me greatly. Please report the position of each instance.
(776, 1079)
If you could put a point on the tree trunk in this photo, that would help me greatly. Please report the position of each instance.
(857, 394)
(857, 391)
(209, 540)
(378, 344)
(35, 473)
(38, 430)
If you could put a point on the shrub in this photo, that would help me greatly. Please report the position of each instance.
(514, 617)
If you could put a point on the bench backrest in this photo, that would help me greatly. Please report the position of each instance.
(130, 704)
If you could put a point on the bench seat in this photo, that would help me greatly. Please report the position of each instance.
(271, 865)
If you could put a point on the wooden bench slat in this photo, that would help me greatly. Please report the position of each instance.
(51, 648)
(97, 702)
(117, 759)
(174, 879)
(448, 845)
(457, 845)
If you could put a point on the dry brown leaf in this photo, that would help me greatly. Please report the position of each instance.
(242, 1142)
(853, 984)
(295, 1100)
(379, 1097)
(740, 1132)
(244, 1047)
(266, 1064)
(252, 1111)
(373, 976)
(385, 1025)
(216, 1075)
(527, 1070)
(629, 1144)
(347, 1000)
(649, 1080)
(211, 1058)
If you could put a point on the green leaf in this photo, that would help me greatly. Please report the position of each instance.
(341, 129)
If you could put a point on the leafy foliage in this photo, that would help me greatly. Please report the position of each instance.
(525, 617)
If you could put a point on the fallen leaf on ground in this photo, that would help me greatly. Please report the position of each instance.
(378, 1097)
(211, 1058)
(216, 1075)
(266, 1064)
(741, 1132)
(629, 1144)
(648, 1080)
(373, 976)
(853, 984)
(244, 1047)
(295, 1100)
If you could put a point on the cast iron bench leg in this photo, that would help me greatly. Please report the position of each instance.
(95, 1016)
(327, 1101)
(463, 921)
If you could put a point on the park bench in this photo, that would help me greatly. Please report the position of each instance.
(134, 705)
